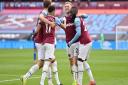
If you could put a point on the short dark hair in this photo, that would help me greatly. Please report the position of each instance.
(47, 3)
(51, 9)
(73, 12)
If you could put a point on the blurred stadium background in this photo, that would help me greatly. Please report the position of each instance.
(107, 22)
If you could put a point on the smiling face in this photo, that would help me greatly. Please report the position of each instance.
(67, 7)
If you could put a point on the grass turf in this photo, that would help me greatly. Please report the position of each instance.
(109, 67)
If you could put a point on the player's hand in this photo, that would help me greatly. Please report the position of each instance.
(33, 35)
(69, 44)
(52, 24)
(57, 21)
(84, 16)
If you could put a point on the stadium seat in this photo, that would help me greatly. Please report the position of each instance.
(103, 22)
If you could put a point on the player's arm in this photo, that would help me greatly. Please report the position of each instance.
(78, 31)
(35, 31)
(63, 26)
(60, 22)
(43, 19)
(84, 16)
(38, 28)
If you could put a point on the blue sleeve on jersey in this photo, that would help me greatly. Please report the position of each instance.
(78, 31)
(62, 19)
(57, 21)
(77, 22)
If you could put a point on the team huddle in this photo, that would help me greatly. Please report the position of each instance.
(77, 38)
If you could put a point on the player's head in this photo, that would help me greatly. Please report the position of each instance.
(67, 7)
(51, 10)
(47, 3)
(48, 0)
(73, 12)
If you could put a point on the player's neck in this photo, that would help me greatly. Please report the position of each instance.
(67, 14)
(51, 15)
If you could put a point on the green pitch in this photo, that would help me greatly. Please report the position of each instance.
(109, 67)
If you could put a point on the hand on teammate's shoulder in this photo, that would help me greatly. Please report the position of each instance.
(84, 16)
(69, 44)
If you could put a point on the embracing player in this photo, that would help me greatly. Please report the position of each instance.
(48, 34)
(84, 46)
(70, 32)
(38, 38)
(72, 37)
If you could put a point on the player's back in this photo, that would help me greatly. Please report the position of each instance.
(39, 37)
(48, 32)
(70, 30)
(85, 37)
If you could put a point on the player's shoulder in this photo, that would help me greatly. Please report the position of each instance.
(44, 12)
(77, 19)
(50, 17)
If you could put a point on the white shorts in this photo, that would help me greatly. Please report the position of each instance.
(73, 49)
(45, 51)
(49, 51)
(40, 51)
(84, 51)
